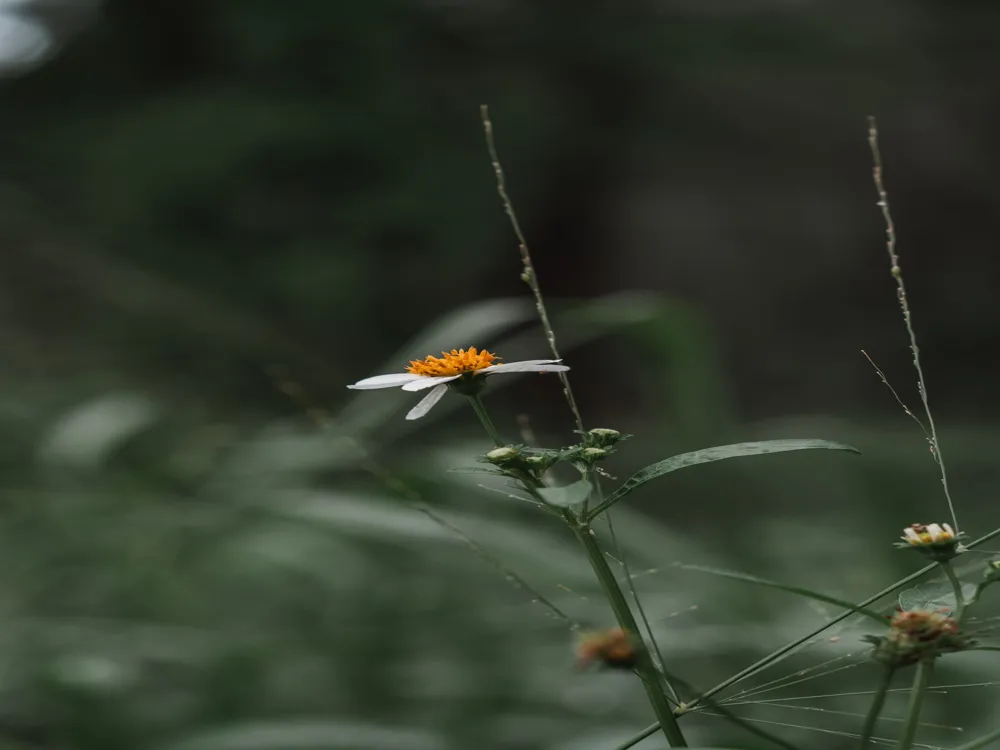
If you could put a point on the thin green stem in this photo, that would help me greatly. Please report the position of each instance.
(626, 571)
(531, 279)
(904, 304)
(484, 417)
(651, 676)
(920, 681)
(978, 592)
(956, 586)
(983, 741)
(878, 701)
(529, 276)
(615, 596)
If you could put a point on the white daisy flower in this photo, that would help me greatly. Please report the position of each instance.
(437, 372)
(932, 533)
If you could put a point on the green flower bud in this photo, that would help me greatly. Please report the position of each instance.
(503, 456)
(602, 437)
(991, 572)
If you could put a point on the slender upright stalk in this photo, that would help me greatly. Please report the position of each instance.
(531, 279)
(956, 585)
(647, 671)
(920, 682)
(630, 582)
(650, 675)
(484, 417)
(904, 304)
(528, 276)
(878, 701)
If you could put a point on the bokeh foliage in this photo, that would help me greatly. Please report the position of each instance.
(195, 191)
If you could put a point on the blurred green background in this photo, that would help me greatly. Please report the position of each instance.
(195, 191)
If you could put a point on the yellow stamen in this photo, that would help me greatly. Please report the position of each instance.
(454, 363)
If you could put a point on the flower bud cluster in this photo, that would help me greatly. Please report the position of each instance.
(916, 635)
(597, 444)
(614, 649)
(519, 458)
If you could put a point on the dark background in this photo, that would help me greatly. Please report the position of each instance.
(195, 191)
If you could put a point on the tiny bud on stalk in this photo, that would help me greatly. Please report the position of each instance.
(602, 437)
(503, 456)
(614, 649)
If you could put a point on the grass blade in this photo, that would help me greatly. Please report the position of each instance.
(708, 455)
(800, 590)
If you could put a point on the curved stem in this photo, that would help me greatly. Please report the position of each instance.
(484, 417)
(650, 676)
(920, 682)
(648, 672)
(878, 701)
(956, 585)
(630, 582)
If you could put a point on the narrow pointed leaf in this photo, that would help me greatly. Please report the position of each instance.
(568, 496)
(800, 590)
(718, 453)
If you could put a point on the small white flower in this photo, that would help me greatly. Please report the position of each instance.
(436, 372)
(931, 533)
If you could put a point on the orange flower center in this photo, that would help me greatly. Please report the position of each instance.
(454, 363)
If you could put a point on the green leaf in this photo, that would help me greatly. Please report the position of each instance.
(718, 453)
(800, 590)
(565, 497)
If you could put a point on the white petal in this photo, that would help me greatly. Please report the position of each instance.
(529, 365)
(911, 535)
(935, 531)
(428, 382)
(427, 402)
(947, 527)
(492, 368)
(385, 381)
